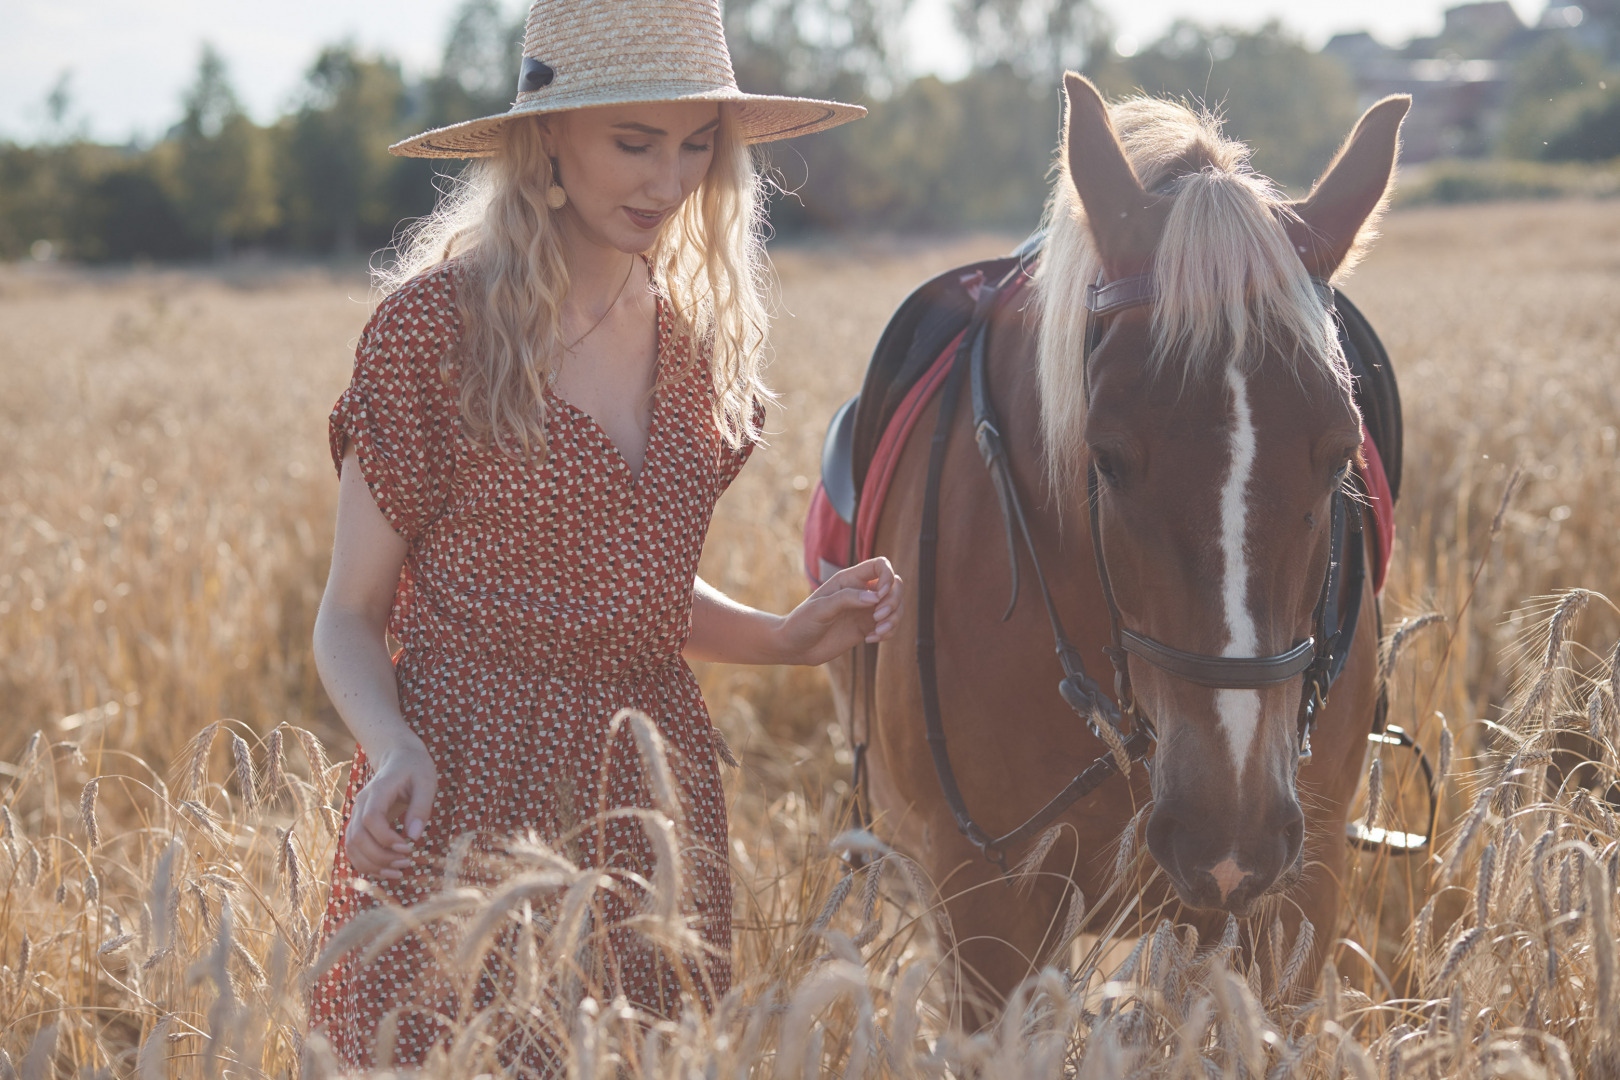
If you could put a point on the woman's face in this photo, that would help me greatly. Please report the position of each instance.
(628, 168)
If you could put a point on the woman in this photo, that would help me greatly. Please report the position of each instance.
(562, 380)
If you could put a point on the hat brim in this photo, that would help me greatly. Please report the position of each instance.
(760, 118)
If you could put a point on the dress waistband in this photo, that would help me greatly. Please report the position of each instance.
(427, 642)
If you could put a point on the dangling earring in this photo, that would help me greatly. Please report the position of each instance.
(556, 197)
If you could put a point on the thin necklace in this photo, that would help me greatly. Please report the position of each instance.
(627, 271)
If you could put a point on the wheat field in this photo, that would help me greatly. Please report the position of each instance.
(169, 766)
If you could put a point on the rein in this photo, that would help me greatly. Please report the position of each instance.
(1077, 688)
(1320, 658)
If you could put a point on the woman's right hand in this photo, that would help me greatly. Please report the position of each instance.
(402, 785)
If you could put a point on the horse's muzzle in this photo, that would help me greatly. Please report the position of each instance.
(1213, 869)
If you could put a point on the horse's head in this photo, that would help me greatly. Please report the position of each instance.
(1209, 419)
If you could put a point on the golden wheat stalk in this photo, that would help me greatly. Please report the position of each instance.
(87, 813)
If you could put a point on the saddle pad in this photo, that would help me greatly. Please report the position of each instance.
(930, 319)
(1377, 395)
(827, 546)
(827, 537)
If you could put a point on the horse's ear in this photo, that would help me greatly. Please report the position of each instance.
(1125, 220)
(1352, 193)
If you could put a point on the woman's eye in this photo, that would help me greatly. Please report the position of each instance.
(630, 148)
(696, 149)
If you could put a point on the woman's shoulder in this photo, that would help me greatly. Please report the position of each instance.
(421, 310)
(413, 330)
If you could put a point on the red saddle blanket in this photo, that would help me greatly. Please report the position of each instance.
(827, 536)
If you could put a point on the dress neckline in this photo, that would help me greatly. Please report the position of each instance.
(615, 456)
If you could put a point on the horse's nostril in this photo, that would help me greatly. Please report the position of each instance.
(1160, 833)
(1294, 834)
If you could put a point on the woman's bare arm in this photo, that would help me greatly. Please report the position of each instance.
(861, 603)
(351, 654)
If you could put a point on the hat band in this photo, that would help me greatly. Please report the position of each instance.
(535, 75)
(621, 93)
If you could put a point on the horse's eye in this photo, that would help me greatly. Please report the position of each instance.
(1106, 466)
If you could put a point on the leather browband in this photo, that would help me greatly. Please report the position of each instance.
(1222, 672)
(1141, 289)
(1126, 292)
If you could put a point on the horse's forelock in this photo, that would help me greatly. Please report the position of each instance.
(1231, 288)
(1164, 140)
(1229, 282)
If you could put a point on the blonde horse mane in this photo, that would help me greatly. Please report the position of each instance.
(1230, 286)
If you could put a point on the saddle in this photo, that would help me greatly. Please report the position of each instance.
(927, 321)
(905, 371)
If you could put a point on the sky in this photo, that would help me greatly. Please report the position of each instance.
(129, 60)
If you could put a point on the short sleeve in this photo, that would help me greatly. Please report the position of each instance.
(398, 411)
(732, 459)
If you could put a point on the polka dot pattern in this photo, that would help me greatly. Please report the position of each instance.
(537, 599)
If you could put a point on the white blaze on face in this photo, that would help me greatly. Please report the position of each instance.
(1239, 710)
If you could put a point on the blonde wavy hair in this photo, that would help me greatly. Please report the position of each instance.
(708, 264)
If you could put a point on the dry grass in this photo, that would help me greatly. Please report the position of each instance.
(165, 510)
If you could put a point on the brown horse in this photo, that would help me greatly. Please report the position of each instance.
(1216, 422)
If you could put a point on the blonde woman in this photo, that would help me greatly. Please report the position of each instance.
(563, 378)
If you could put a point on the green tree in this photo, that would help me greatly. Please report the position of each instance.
(59, 112)
(39, 192)
(477, 76)
(842, 49)
(818, 47)
(944, 156)
(127, 213)
(339, 168)
(479, 71)
(1039, 39)
(223, 165)
(1549, 88)
(1293, 106)
(1587, 125)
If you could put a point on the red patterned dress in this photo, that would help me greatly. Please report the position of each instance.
(537, 599)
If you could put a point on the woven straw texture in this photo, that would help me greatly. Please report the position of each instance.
(620, 52)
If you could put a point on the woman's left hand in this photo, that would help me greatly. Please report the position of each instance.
(859, 604)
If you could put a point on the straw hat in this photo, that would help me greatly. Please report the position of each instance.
(583, 53)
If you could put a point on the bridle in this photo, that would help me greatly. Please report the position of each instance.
(1320, 657)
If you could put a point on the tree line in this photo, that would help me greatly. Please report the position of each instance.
(932, 155)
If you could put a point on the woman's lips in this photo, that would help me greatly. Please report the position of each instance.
(644, 219)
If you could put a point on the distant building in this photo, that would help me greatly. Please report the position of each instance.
(1482, 29)
(1460, 79)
